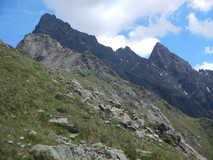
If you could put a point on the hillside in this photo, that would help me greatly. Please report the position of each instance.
(105, 111)
(164, 73)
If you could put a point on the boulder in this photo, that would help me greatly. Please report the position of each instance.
(140, 134)
(115, 154)
(105, 110)
(127, 123)
(63, 122)
(63, 152)
(98, 145)
(62, 96)
(59, 120)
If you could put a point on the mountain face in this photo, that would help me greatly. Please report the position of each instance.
(164, 73)
(193, 87)
(49, 52)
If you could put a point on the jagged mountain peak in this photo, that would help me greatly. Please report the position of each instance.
(125, 50)
(52, 22)
(163, 58)
(67, 36)
(48, 16)
(159, 54)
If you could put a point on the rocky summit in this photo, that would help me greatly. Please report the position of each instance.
(164, 73)
(64, 96)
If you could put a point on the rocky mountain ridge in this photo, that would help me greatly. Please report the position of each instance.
(164, 73)
(47, 51)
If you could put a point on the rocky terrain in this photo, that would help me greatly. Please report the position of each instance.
(164, 73)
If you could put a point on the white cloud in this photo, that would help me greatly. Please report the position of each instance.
(205, 66)
(142, 47)
(159, 28)
(209, 50)
(203, 28)
(112, 16)
(114, 42)
(202, 5)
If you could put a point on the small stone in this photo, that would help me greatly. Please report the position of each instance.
(72, 136)
(155, 135)
(82, 142)
(140, 134)
(21, 138)
(107, 122)
(40, 111)
(96, 107)
(31, 132)
(22, 146)
(20, 154)
(146, 152)
(91, 112)
(149, 129)
(29, 144)
(85, 99)
(10, 142)
(27, 81)
(54, 81)
(13, 116)
(143, 155)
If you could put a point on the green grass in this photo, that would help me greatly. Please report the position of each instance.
(26, 87)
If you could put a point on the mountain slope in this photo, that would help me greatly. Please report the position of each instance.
(100, 107)
(163, 73)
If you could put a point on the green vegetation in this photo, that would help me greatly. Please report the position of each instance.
(168, 140)
(30, 95)
(179, 138)
(197, 132)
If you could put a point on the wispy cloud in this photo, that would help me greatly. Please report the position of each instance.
(203, 28)
(208, 50)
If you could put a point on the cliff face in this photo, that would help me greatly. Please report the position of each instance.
(49, 52)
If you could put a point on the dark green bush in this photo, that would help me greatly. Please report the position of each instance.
(179, 138)
(168, 139)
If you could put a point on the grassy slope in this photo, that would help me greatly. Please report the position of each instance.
(197, 132)
(26, 87)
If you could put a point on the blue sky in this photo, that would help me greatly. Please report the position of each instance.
(184, 26)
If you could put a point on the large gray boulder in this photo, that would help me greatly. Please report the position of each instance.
(63, 152)
(73, 152)
(63, 122)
